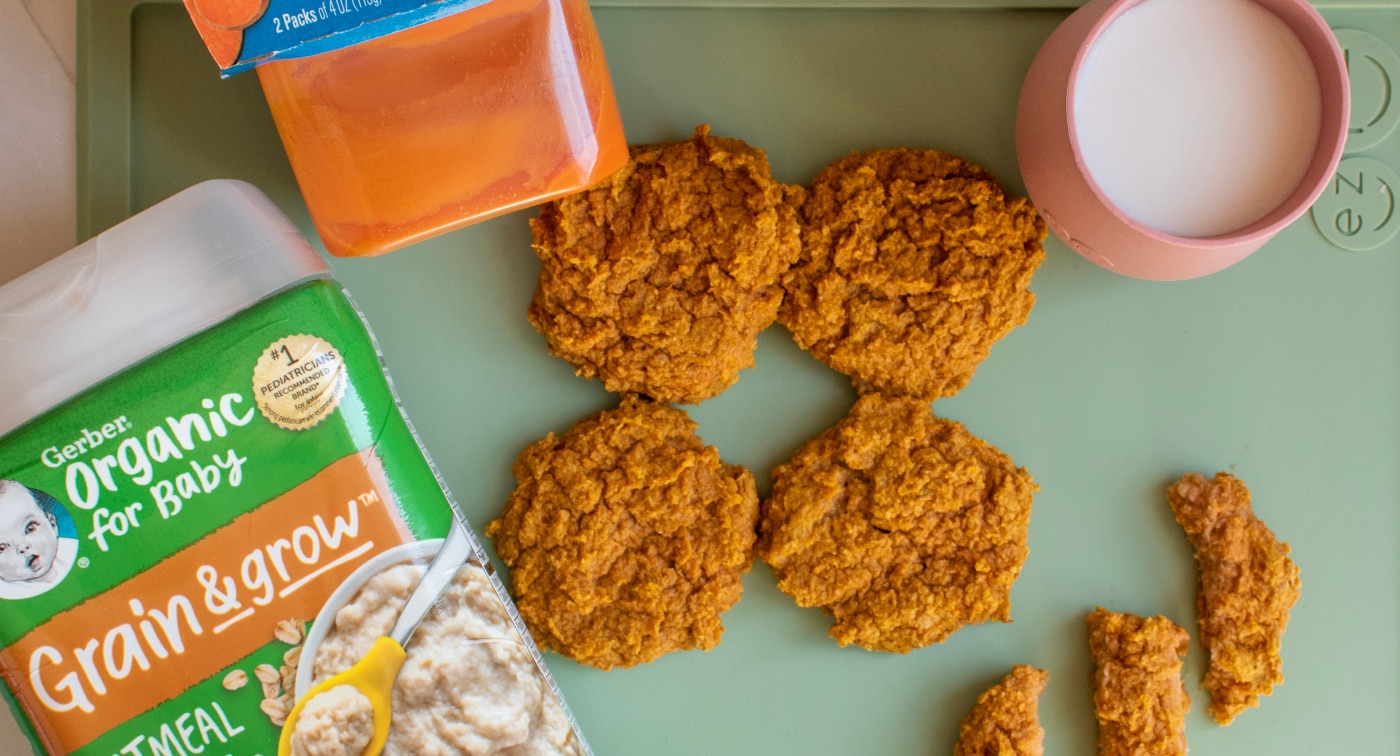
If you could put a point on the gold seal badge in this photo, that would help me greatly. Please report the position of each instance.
(298, 381)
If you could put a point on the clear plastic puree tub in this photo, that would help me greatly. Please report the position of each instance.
(396, 139)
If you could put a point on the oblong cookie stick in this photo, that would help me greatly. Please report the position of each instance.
(1246, 588)
(1140, 700)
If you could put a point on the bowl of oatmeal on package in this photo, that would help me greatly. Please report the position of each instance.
(470, 682)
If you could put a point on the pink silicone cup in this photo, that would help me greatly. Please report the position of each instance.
(1079, 213)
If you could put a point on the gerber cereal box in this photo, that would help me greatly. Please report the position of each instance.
(166, 534)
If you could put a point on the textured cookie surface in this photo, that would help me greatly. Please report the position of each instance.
(1140, 700)
(914, 263)
(1005, 721)
(902, 526)
(1247, 586)
(658, 280)
(626, 536)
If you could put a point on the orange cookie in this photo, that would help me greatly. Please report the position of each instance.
(1139, 698)
(1247, 586)
(626, 536)
(658, 280)
(902, 526)
(914, 262)
(1005, 722)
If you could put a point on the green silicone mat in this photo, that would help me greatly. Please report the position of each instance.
(1284, 370)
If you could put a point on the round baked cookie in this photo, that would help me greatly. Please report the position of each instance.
(914, 262)
(902, 526)
(626, 536)
(658, 280)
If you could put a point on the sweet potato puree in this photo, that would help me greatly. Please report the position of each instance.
(447, 123)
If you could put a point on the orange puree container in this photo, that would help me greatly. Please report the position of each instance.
(496, 108)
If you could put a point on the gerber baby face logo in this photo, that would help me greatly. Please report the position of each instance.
(38, 541)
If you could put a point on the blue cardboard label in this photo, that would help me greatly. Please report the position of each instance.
(243, 33)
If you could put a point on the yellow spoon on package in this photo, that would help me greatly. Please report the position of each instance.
(374, 674)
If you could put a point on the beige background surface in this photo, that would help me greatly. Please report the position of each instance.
(37, 162)
(37, 167)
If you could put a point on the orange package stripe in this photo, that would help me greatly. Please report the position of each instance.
(99, 664)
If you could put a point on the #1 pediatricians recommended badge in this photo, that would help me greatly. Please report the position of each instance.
(298, 381)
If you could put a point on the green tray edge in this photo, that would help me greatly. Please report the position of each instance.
(104, 106)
